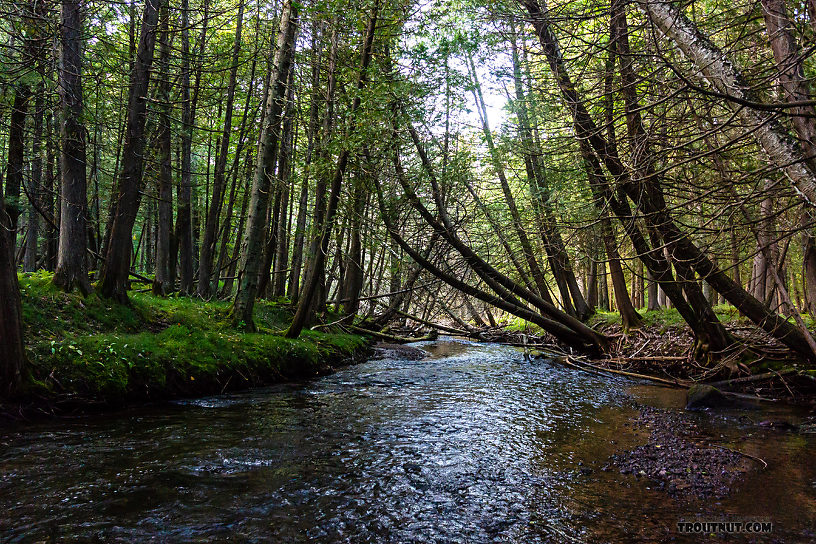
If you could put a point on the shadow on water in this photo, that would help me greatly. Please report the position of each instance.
(471, 444)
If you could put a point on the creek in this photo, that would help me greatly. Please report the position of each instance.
(474, 443)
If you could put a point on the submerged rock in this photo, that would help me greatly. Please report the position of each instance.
(706, 396)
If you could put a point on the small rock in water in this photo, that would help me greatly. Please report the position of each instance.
(705, 396)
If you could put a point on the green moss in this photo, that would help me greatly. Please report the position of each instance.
(668, 317)
(161, 347)
(522, 325)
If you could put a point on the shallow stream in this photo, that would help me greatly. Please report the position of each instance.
(473, 443)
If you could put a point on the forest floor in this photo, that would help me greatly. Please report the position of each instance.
(663, 347)
(89, 353)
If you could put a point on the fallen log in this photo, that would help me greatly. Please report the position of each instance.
(753, 378)
(397, 339)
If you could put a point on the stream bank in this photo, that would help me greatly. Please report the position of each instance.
(90, 354)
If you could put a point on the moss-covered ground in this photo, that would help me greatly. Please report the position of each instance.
(88, 350)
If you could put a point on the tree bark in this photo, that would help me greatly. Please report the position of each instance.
(114, 273)
(16, 154)
(208, 242)
(71, 269)
(12, 354)
(164, 224)
(312, 135)
(277, 245)
(353, 277)
(251, 261)
(724, 75)
(184, 223)
(35, 188)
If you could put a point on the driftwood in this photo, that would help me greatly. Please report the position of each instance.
(431, 324)
(577, 363)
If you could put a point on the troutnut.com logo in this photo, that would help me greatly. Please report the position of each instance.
(707, 527)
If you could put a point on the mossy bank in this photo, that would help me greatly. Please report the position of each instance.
(90, 352)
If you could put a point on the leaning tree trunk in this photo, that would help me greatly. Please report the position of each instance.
(724, 75)
(251, 263)
(498, 167)
(649, 179)
(700, 318)
(71, 269)
(630, 318)
(353, 277)
(114, 273)
(539, 192)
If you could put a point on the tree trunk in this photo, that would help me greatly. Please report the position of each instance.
(809, 261)
(253, 239)
(790, 65)
(226, 229)
(164, 222)
(71, 269)
(353, 278)
(16, 155)
(630, 318)
(12, 354)
(653, 302)
(723, 74)
(277, 245)
(312, 135)
(226, 289)
(592, 282)
(184, 223)
(205, 262)
(35, 187)
(114, 274)
(699, 316)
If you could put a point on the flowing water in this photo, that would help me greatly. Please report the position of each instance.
(474, 443)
